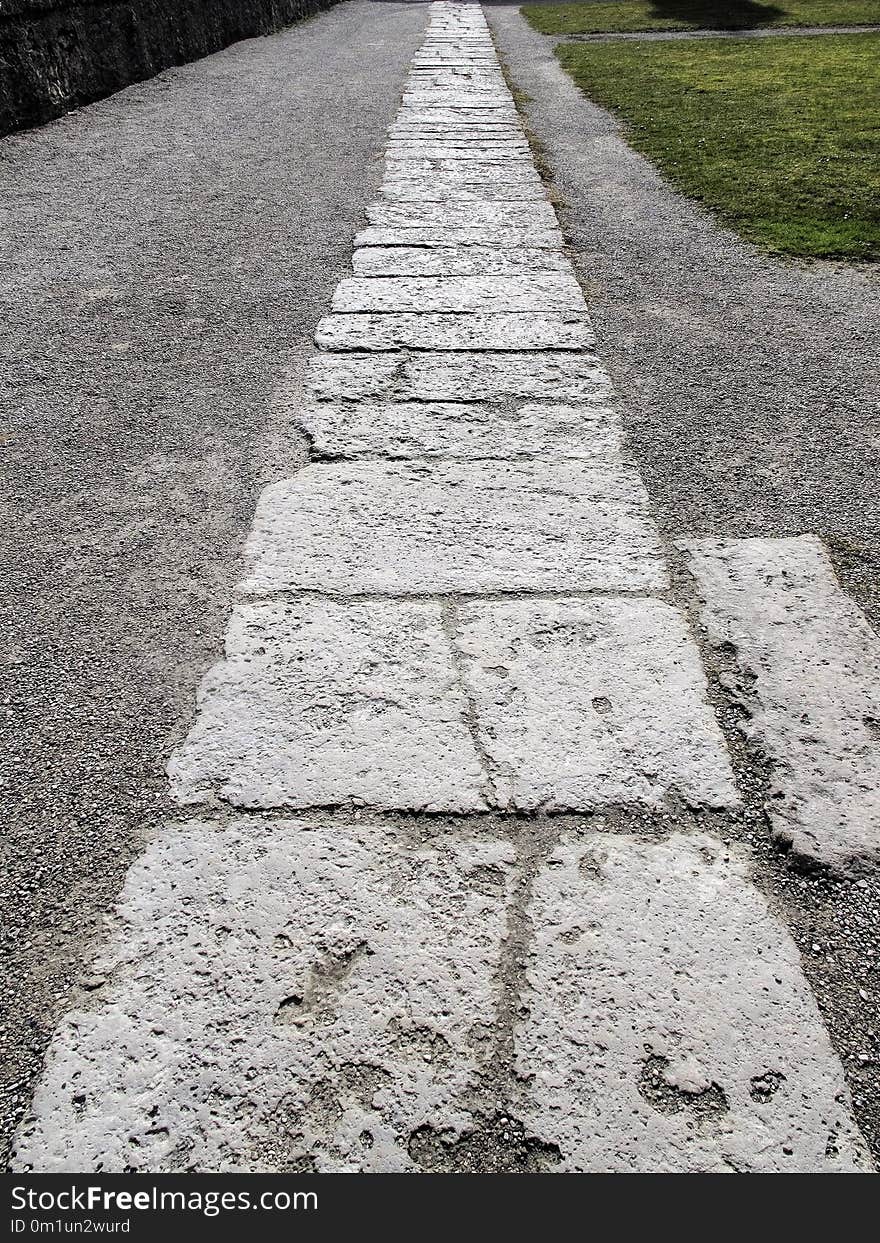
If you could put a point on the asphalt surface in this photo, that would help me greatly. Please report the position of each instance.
(167, 254)
(749, 395)
(748, 383)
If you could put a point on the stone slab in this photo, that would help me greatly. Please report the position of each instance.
(461, 430)
(455, 261)
(444, 235)
(807, 668)
(429, 528)
(472, 171)
(282, 997)
(536, 291)
(669, 1027)
(581, 703)
(536, 330)
(446, 190)
(319, 703)
(417, 159)
(524, 224)
(436, 376)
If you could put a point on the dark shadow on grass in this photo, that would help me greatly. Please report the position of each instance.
(718, 14)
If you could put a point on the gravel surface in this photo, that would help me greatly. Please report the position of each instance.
(748, 383)
(749, 393)
(167, 254)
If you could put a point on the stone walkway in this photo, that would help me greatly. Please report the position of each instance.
(456, 620)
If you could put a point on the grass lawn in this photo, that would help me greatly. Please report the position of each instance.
(781, 137)
(629, 15)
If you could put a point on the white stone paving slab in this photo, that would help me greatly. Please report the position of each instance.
(449, 376)
(460, 150)
(404, 528)
(445, 190)
(320, 703)
(444, 127)
(425, 107)
(489, 219)
(285, 996)
(461, 430)
(535, 330)
(580, 703)
(670, 1028)
(808, 671)
(405, 167)
(455, 261)
(537, 291)
(463, 166)
(450, 233)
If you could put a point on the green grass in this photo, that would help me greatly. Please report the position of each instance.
(636, 15)
(781, 137)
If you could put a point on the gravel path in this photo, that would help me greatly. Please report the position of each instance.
(166, 253)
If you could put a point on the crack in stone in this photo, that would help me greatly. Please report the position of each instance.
(449, 624)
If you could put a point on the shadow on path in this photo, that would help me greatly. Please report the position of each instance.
(717, 14)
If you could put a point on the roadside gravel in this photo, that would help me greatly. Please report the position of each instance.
(167, 253)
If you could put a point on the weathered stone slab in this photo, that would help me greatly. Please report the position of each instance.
(445, 124)
(489, 218)
(447, 77)
(435, 376)
(320, 703)
(458, 429)
(283, 996)
(585, 702)
(516, 237)
(471, 102)
(459, 152)
(444, 189)
(807, 668)
(455, 261)
(534, 330)
(473, 171)
(538, 291)
(408, 528)
(427, 158)
(669, 1026)
(480, 96)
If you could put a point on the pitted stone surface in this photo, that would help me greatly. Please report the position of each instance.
(461, 430)
(478, 168)
(808, 672)
(478, 176)
(538, 291)
(455, 261)
(282, 996)
(319, 703)
(579, 703)
(404, 528)
(450, 377)
(670, 1028)
(535, 330)
(458, 233)
(460, 190)
(490, 218)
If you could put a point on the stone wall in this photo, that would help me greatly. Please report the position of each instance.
(58, 54)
